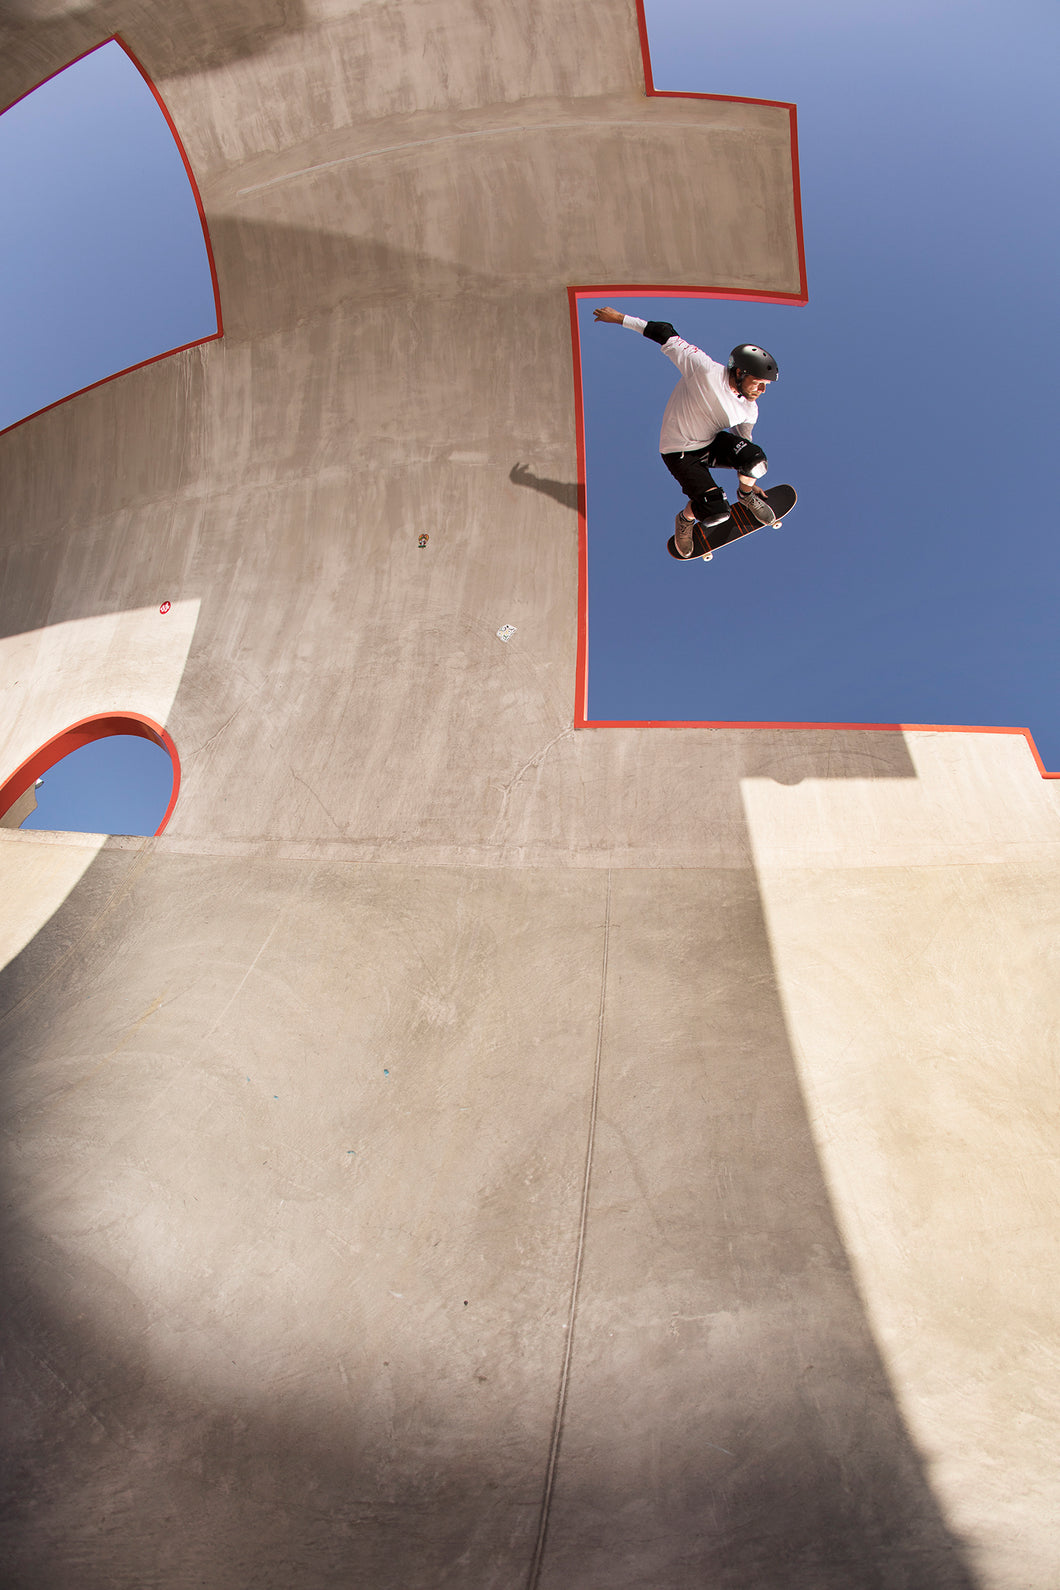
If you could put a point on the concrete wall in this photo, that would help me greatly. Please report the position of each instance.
(462, 1150)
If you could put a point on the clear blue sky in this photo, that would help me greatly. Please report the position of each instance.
(917, 580)
(103, 263)
(118, 785)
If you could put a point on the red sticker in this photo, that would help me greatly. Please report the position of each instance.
(164, 608)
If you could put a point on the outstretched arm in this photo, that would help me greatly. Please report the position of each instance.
(659, 331)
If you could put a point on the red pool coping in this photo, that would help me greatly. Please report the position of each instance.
(97, 727)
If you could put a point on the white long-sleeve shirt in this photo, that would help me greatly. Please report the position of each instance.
(702, 403)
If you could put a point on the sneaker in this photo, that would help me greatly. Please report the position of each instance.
(755, 503)
(683, 529)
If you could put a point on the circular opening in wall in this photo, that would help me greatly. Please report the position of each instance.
(117, 773)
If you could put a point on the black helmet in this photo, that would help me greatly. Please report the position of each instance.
(749, 359)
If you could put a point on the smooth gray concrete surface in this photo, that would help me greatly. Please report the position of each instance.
(458, 1151)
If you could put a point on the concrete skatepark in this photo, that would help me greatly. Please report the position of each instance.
(463, 1149)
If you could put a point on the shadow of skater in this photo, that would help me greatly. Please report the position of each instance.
(566, 492)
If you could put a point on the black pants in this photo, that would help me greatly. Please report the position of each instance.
(691, 470)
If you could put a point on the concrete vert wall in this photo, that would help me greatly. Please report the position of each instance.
(463, 1150)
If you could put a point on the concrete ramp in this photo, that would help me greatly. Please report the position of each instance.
(463, 1150)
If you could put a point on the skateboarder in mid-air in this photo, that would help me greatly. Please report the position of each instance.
(707, 424)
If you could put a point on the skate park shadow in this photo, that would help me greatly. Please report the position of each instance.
(182, 38)
(274, 1497)
(567, 493)
(826, 753)
(781, 1458)
(279, 278)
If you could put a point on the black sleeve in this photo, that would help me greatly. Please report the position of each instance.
(659, 331)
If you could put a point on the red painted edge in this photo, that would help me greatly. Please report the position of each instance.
(59, 69)
(645, 48)
(875, 728)
(679, 93)
(97, 727)
(581, 677)
(171, 124)
(115, 38)
(581, 682)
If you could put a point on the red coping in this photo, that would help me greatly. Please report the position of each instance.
(642, 291)
(98, 727)
(214, 335)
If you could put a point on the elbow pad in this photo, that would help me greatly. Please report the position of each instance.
(659, 331)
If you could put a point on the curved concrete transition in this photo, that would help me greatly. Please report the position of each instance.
(462, 1150)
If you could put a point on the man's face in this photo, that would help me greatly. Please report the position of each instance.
(752, 387)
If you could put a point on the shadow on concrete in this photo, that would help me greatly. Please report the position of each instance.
(38, 37)
(566, 492)
(789, 757)
(276, 278)
(760, 1445)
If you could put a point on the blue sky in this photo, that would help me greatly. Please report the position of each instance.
(118, 785)
(103, 262)
(917, 580)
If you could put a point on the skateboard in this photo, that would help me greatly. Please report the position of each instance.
(741, 522)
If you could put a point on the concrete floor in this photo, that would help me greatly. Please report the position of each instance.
(463, 1151)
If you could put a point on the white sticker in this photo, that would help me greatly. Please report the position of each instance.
(506, 632)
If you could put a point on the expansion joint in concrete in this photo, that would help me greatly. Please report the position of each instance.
(579, 1253)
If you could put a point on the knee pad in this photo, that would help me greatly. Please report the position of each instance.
(748, 458)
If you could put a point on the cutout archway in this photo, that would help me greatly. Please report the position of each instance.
(98, 727)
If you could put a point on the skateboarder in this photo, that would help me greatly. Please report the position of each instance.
(707, 424)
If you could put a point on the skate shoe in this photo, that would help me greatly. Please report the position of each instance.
(683, 529)
(755, 502)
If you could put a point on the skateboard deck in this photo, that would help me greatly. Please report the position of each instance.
(741, 522)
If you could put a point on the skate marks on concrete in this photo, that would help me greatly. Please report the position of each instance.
(375, 1399)
(219, 1315)
(729, 1420)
